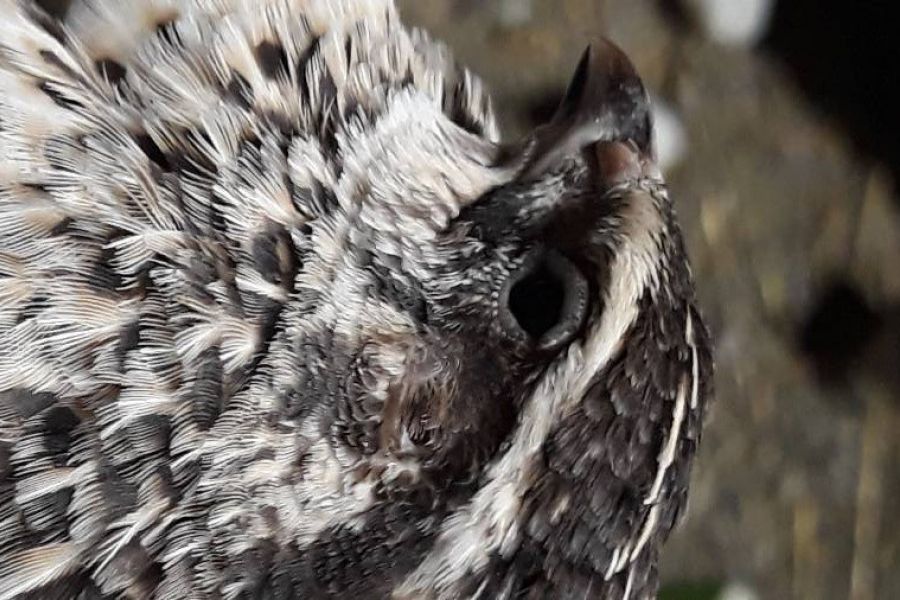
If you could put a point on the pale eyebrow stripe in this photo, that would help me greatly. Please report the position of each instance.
(488, 523)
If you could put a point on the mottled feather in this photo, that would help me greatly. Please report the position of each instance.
(282, 317)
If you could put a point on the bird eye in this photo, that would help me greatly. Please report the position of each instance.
(545, 302)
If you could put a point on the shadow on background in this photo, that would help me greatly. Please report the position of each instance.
(843, 55)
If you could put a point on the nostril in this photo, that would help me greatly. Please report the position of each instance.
(547, 301)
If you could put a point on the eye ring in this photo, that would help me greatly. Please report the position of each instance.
(544, 303)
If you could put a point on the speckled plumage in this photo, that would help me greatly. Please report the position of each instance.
(262, 327)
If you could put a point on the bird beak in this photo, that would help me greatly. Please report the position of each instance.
(604, 102)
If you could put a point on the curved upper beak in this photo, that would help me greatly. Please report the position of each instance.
(604, 102)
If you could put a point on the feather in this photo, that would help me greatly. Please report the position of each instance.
(262, 327)
(33, 568)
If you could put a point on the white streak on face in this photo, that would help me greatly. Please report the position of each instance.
(488, 524)
(628, 585)
(666, 457)
(653, 515)
(695, 364)
(667, 454)
(614, 561)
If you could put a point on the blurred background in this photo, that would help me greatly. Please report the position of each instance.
(779, 130)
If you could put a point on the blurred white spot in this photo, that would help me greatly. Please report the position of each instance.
(737, 591)
(513, 13)
(669, 133)
(735, 22)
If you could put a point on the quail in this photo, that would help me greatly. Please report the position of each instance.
(281, 315)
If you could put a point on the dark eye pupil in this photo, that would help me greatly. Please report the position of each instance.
(545, 303)
(536, 301)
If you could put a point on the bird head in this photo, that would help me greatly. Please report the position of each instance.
(517, 339)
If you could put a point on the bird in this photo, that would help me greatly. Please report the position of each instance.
(283, 316)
